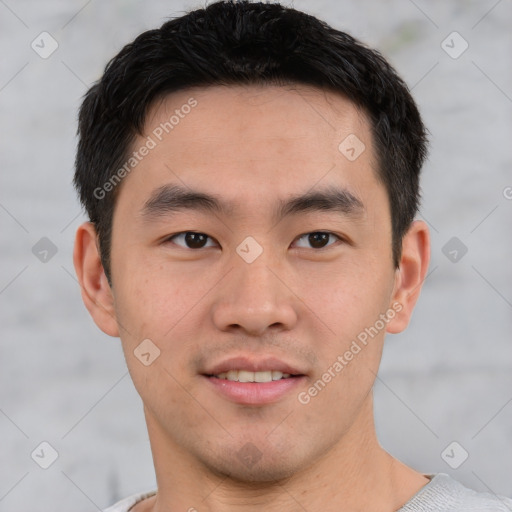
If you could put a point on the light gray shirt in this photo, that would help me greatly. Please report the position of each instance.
(441, 494)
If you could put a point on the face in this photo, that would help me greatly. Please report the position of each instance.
(253, 277)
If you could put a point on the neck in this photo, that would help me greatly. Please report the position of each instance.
(356, 474)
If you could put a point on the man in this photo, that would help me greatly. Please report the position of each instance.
(251, 176)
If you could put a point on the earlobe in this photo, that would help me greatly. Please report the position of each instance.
(410, 275)
(95, 289)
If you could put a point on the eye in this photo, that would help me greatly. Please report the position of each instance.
(191, 239)
(318, 239)
(195, 240)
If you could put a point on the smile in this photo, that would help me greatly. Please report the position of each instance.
(248, 376)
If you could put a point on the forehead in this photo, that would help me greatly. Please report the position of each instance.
(247, 143)
(258, 111)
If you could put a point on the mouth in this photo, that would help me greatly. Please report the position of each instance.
(249, 376)
(245, 387)
(247, 380)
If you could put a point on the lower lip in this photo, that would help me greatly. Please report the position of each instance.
(255, 393)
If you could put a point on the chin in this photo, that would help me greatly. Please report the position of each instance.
(250, 466)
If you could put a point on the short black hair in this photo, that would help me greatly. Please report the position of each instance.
(233, 42)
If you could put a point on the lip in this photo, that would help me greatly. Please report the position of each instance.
(255, 393)
(253, 365)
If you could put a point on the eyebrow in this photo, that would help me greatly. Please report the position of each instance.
(169, 199)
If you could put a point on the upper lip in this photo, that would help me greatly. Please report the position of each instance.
(253, 365)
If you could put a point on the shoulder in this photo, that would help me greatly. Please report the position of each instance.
(126, 504)
(445, 494)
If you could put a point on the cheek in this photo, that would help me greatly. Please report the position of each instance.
(154, 301)
(349, 303)
(157, 307)
(347, 296)
(162, 391)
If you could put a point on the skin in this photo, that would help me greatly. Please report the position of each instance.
(253, 145)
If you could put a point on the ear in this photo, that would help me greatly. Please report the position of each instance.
(410, 275)
(96, 292)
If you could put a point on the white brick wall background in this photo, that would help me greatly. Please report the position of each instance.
(447, 379)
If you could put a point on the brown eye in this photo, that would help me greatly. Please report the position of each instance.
(318, 239)
(191, 239)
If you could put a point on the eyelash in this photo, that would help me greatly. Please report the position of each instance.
(170, 239)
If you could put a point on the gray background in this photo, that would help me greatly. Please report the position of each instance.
(447, 378)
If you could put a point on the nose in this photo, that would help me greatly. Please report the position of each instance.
(255, 297)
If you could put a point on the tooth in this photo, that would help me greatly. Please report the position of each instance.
(232, 375)
(248, 376)
(263, 376)
(245, 376)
